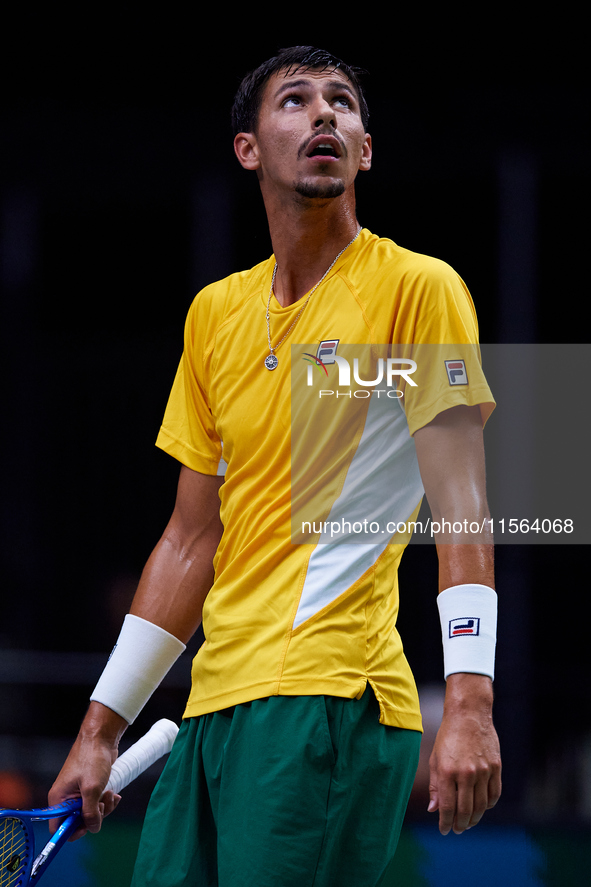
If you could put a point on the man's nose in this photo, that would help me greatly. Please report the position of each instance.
(323, 114)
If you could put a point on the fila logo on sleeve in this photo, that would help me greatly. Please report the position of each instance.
(462, 627)
(456, 372)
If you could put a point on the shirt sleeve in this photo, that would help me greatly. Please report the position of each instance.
(444, 356)
(188, 429)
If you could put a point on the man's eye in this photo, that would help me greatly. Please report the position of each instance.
(291, 101)
(343, 100)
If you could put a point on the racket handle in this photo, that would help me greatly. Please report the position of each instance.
(155, 743)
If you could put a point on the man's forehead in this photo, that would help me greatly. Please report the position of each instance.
(286, 77)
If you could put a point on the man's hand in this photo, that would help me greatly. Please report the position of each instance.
(466, 763)
(88, 767)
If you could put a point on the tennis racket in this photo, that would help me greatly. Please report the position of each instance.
(18, 863)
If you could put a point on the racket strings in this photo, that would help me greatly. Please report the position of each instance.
(15, 851)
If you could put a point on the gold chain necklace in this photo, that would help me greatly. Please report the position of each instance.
(271, 361)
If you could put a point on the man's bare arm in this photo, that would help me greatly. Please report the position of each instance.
(465, 764)
(171, 592)
(179, 572)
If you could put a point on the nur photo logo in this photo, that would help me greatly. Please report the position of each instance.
(388, 370)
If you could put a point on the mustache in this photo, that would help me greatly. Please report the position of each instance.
(324, 131)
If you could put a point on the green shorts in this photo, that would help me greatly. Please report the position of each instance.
(289, 791)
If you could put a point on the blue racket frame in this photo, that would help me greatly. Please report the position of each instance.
(30, 868)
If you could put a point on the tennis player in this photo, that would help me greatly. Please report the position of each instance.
(300, 740)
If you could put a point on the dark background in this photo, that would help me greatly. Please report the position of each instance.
(120, 197)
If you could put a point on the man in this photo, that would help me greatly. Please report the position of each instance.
(300, 740)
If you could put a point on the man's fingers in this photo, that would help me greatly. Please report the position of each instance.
(462, 802)
(465, 807)
(480, 803)
(443, 799)
(92, 815)
(494, 787)
(109, 801)
(94, 811)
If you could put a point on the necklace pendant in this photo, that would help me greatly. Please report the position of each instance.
(271, 362)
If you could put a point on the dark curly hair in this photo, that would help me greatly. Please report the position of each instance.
(248, 99)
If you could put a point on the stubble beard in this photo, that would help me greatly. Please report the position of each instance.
(320, 190)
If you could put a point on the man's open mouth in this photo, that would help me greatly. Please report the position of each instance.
(324, 147)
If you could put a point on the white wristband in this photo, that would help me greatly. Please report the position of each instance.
(468, 616)
(142, 656)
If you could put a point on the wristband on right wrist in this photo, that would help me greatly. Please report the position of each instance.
(142, 656)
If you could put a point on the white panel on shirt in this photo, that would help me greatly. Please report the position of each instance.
(383, 485)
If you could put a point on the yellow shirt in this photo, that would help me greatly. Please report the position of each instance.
(296, 608)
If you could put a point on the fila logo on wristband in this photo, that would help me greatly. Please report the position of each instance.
(461, 627)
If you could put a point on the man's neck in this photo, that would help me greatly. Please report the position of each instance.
(306, 242)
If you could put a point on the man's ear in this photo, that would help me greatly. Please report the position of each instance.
(245, 148)
(366, 153)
